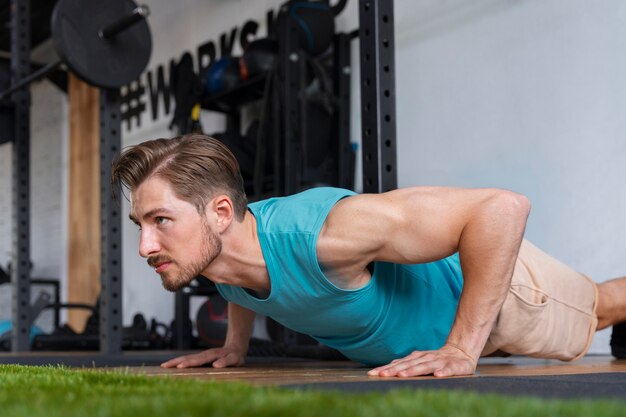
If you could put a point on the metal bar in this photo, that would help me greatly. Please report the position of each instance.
(345, 165)
(378, 108)
(289, 80)
(136, 16)
(20, 271)
(57, 296)
(58, 77)
(42, 72)
(110, 228)
(183, 332)
(7, 126)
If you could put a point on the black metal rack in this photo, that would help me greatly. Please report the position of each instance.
(379, 165)
(20, 273)
(378, 93)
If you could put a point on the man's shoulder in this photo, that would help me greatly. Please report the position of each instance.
(298, 211)
(317, 195)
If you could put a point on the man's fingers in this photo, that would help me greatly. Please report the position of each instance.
(221, 358)
(189, 360)
(413, 367)
(397, 365)
(437, 363)
(228, 360)
(192, 361)
(172, 362)
(443, 372)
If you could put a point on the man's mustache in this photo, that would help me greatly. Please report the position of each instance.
(156, 260)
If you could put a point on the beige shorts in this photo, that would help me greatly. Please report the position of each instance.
(549, 311)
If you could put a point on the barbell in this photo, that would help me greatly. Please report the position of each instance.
(105, 43)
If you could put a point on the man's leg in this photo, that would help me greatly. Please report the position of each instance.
(611, 307)
(611, 311)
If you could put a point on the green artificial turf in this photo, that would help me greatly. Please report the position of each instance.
(56, 391)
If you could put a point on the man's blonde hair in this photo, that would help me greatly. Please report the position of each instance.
(197, 166)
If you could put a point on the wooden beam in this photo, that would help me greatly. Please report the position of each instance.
(84, 199)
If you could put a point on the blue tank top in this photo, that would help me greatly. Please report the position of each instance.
(403, 307)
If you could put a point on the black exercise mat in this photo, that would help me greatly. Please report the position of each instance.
(579, 386)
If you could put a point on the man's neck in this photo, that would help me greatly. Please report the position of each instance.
(241, 261)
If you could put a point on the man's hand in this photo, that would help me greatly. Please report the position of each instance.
(447, 361)
(220, 357)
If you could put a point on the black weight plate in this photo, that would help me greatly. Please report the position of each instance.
(108, 64)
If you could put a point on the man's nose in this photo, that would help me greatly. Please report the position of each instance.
(148, 244)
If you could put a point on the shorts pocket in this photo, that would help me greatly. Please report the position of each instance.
(532, 297)
(522, 326)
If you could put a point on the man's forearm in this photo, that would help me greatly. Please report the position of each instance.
(488, 249)
(240, 324)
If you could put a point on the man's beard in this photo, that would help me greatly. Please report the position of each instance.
(211, 248)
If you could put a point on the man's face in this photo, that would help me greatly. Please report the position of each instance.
(177, 241)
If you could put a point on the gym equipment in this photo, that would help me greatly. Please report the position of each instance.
(294, 344)
(5, 334)
(259, 57)
(187, 89)
(222, 75)
(106, 44)
(243, 149)
(137, 336)
(212, 321)
(36, 308)
(315, 21)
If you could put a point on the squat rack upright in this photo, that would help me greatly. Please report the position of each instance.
(378, 116)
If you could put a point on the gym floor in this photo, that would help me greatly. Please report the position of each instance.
(590, 377)
(302, 372)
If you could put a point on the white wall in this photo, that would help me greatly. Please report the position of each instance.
(519, 94)
(526, 95)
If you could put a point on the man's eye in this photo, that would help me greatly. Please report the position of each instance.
(160, 220)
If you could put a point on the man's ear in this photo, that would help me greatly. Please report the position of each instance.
(224, 212)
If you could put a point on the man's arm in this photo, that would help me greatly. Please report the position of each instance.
(422, 224)
(233, 353)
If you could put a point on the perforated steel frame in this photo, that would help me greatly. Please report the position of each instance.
(289, 74)
(378, 108)
(110, 227)
(20, 272)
